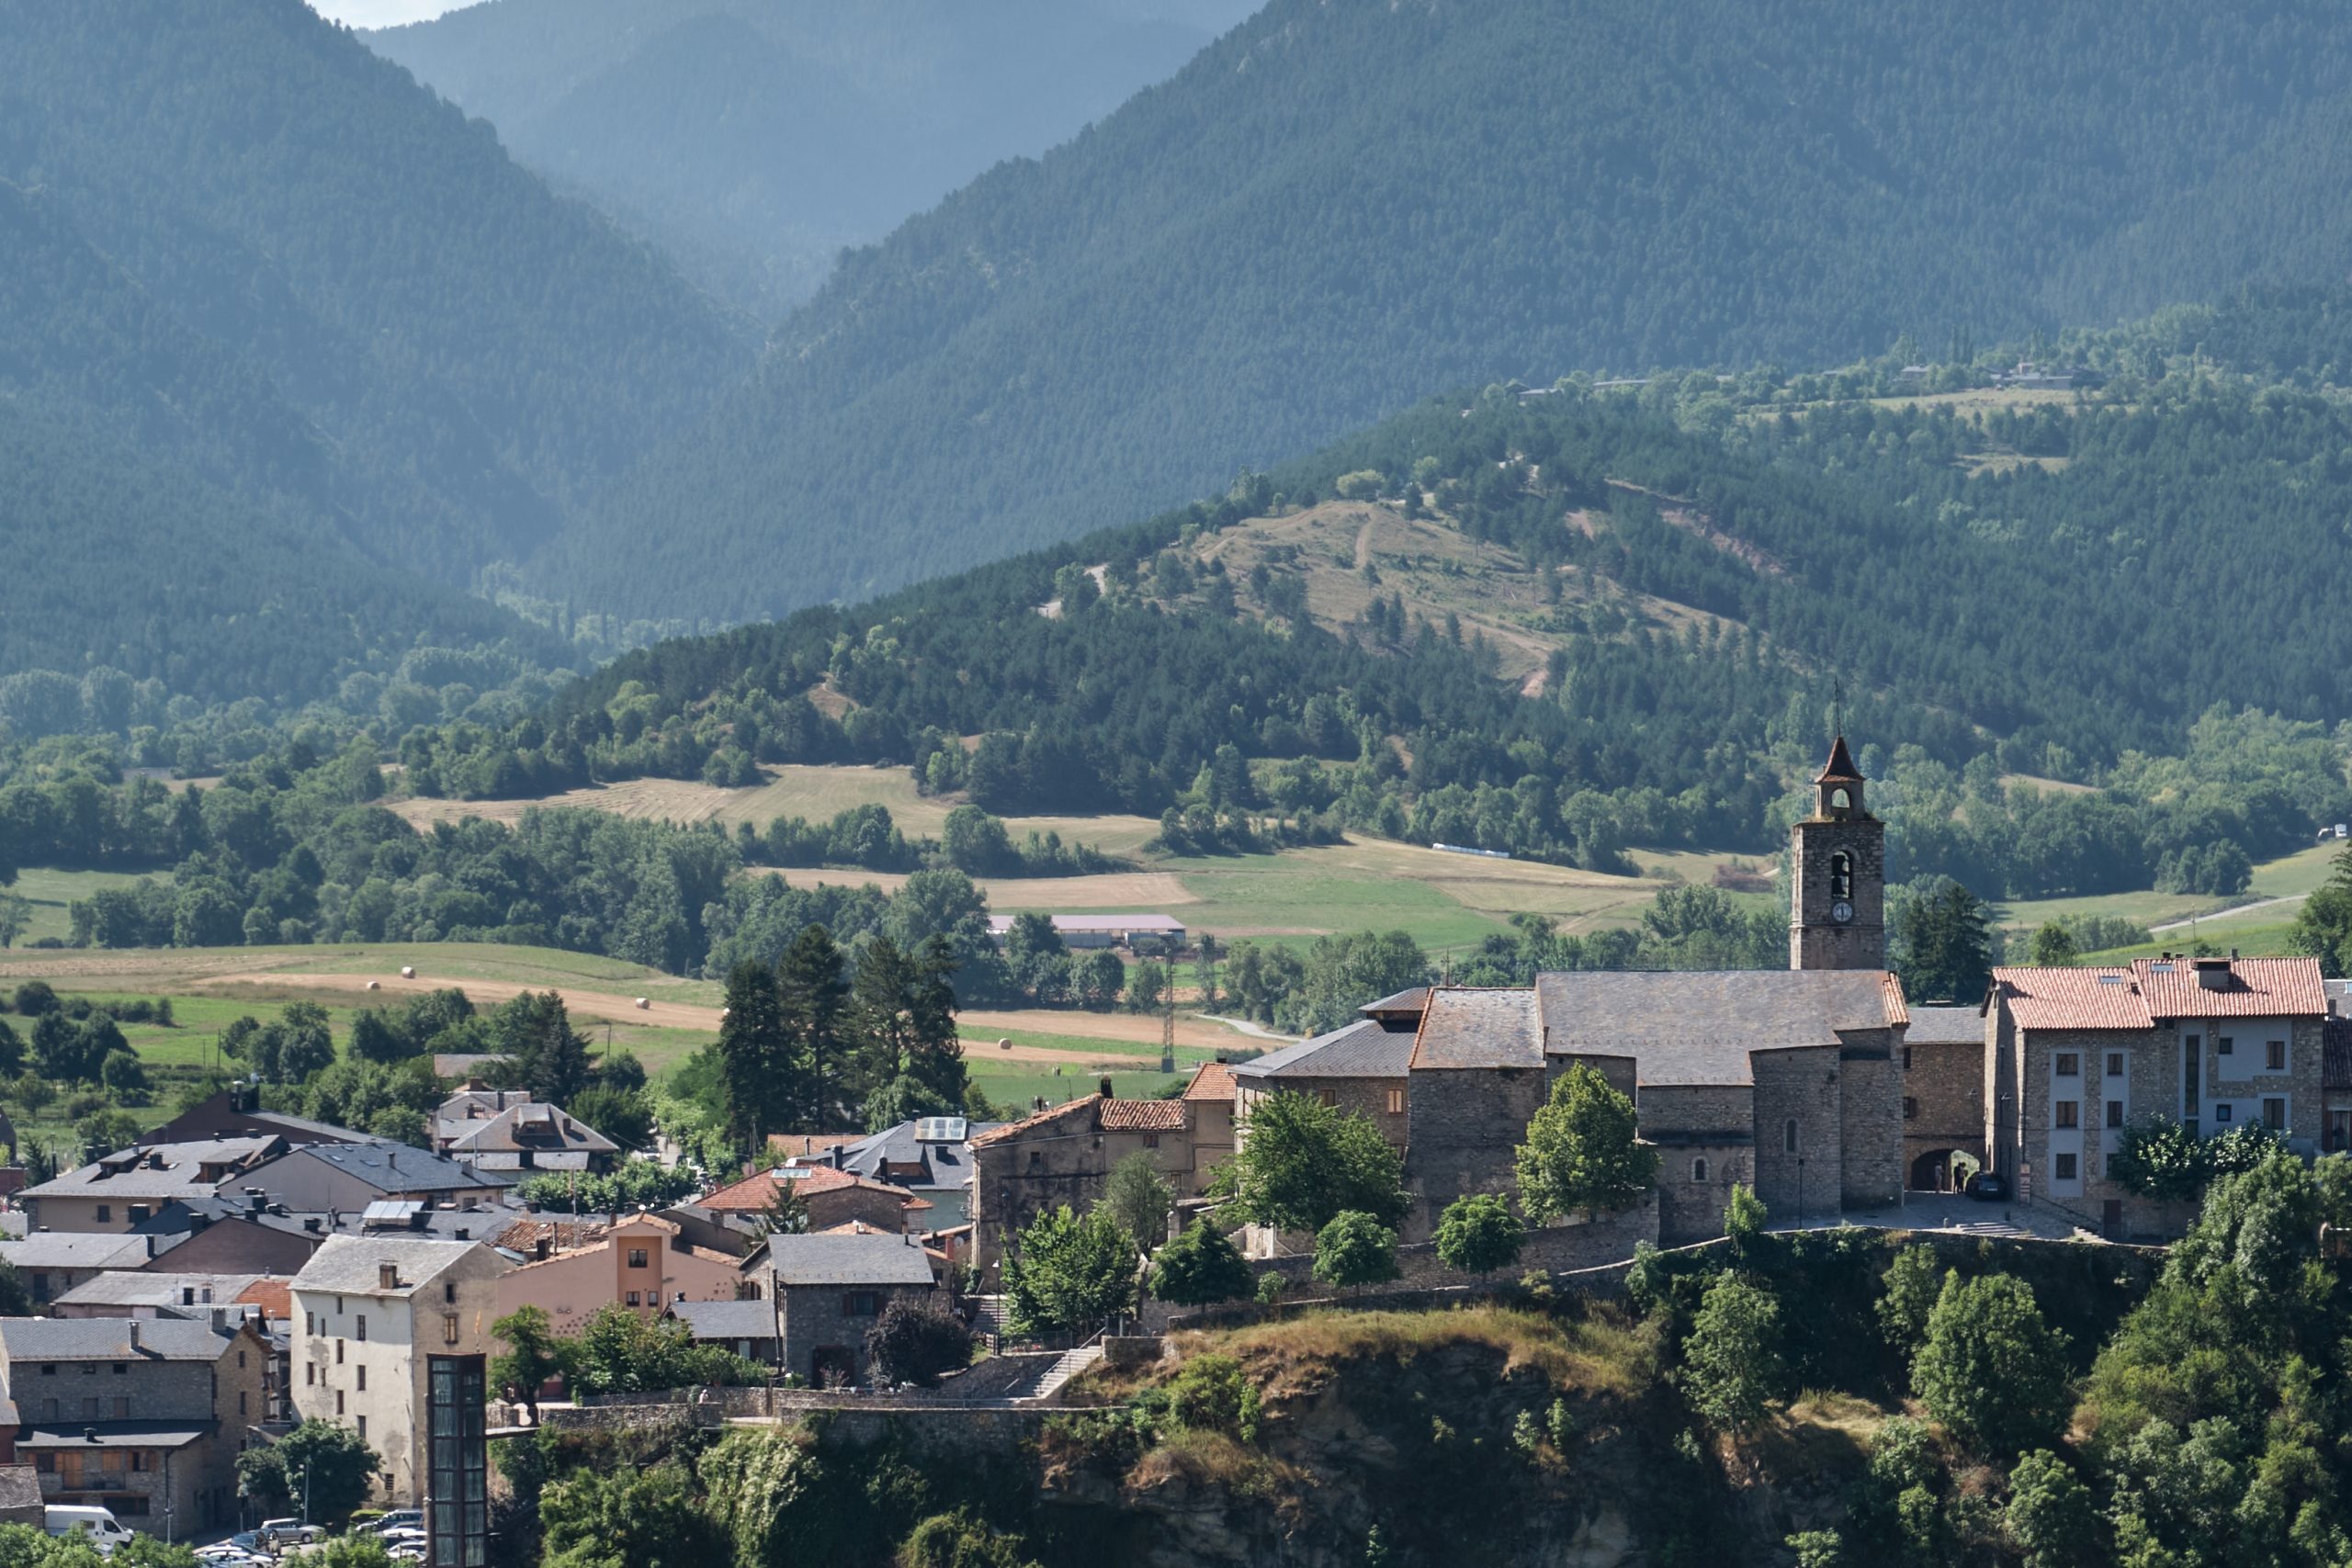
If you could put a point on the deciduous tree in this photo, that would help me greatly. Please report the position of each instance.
(1478, 1234)
(1732, 1366)
(1140, 1199)
(917, 1343)
(1199, 1268)
(1068, 1273)
(1582, 1151)
(1301, 1163)
(1991, 1370)
(1355, 1249)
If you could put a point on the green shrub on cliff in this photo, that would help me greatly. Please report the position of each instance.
(1199, 1268)
(1991, 1370)
(1732, 1367)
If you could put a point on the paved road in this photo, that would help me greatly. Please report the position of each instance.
(2231, 913)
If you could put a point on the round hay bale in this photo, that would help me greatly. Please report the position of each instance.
(374, 985)
(644, 1004)
(1004, 1044)
(408, 972)
(723, 1012)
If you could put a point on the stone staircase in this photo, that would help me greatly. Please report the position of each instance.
(1067, 1365)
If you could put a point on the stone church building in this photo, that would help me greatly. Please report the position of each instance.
(1791, 1080)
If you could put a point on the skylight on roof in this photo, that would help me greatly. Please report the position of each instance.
(2160, 968)
(2110, 979)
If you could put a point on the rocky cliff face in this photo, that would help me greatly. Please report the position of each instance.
(1534, 1445)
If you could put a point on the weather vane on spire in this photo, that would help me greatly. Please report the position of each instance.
(1837, 705)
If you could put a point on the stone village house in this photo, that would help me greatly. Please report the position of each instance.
(144, 1416)
(2073, 1055)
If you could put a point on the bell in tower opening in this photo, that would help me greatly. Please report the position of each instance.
(1838, 874)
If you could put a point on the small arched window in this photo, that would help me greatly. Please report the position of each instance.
(1699, 1171)
(1789, 1136)
(1841, 875)
(1839, 800)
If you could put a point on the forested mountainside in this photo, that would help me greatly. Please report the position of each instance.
(338, 325)
(1342, 203)
(1560, 621)
(754, 138)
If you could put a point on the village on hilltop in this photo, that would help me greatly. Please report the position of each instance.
(239, 1275)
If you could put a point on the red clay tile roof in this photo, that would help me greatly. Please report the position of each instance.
(1897, 1009)
(274, 1297)
(1840, 765)
(1030, 1124)
(1143, 1116)
(2259, 987)
(2074, 999)
(1211, 1080)
(756, 1192)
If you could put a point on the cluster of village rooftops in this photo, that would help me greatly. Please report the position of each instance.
(238, 1270)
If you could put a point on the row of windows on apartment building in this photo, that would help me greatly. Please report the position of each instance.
(318, 1327)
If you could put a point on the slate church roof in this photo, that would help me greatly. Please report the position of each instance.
(1699, 1027)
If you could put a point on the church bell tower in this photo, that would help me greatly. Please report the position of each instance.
(1838, 874)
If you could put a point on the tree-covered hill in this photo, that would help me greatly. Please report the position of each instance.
(754, 138)
(237, 599)
(2113, 586)
(336, 325)
(1343, 203)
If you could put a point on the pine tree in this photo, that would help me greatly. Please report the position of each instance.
(755, 1056)
(809, 993)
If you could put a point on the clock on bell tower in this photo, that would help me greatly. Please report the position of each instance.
(1838, 874)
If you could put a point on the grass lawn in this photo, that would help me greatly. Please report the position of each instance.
(2254, 936)
(51, 891)
(2290, 876)
(1441, 900)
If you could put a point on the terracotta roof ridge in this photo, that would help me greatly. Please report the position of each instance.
(1033, 1120)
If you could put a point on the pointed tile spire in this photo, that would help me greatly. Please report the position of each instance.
(1840, 765)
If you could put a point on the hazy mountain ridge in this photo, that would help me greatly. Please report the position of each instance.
(753, 138)
(332, 320)
(1338, 206)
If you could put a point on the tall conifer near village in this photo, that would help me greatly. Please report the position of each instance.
(809, 995)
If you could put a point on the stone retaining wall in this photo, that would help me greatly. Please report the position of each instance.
(1558, 1249)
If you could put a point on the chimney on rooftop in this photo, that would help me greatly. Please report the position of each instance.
(388, 1276)
(134, 1336)
(257, 1201)
(1106, 1086)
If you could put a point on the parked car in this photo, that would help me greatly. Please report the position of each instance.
(1988, 1187)
(396, 1519)
(106, 1531)
(276, 1535)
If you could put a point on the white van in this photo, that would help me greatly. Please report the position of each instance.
(106, 1531)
